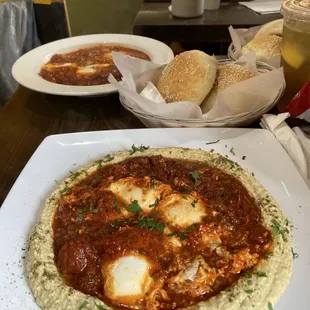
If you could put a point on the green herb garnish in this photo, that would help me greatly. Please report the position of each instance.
(94, 211)
(153, 205)
(108, 158)
(184, 235)
(208, 143)
(247, 274)
(114, 205)
(100, 307)
(81, 211)
(99, 163)
(267, 255)
(212, 150)
(184, 197)
(261, 274)
(151, 223)
(243, 157)
(270, 306)
(86, 173)
(152, 183)
(74, 175)
(64, 190)
(172, 234)
(140, 148)
(249, 291)
(194, 203)
(80, 218)
(196, 176)
(134, 207)
(232, 151)
(277, 230)
(295, 255)
(83, 305)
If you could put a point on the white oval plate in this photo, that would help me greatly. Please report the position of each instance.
(26, 69)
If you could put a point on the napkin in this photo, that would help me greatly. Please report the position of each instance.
(294, 141)
(263, 6)
(140, 77)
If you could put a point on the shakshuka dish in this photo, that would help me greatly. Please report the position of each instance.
(87, 66)
(160, 229)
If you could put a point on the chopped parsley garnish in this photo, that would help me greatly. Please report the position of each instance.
(81, 211)
(253, 174)
(94, 211)
(232, 151)
(270, 306)
(184, 235)
(83, 305)
(134, 207)
(80, 218)
(74, 175)
(196, 176)
(194, 203)
(114, 205)
(152, 183)
(247, 274)
(243, 157)
(64, 190)
(151, 223)
(295, 255)
(249, 291)
(84, 171)
(172, 234)
(99, 307)
(277, 230)
(261, 274)
(184, 197)
(99, 163)
(208, 143)
(140, 148)
(153, 205)
(212, 150)
(267, 255)
(108, 158)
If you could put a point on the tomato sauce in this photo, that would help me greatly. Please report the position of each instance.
(89, 229)
(65, 68)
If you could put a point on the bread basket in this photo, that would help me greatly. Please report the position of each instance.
(245, 37)
(155, 121)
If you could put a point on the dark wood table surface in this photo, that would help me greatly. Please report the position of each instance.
(29, 117)
(155, 21)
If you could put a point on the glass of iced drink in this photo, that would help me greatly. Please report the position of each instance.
(296, 47)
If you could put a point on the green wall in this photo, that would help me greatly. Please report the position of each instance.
(102, 16)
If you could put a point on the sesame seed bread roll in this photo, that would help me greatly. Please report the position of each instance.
(274, 27)
(227, 75)
(265, 47)
(188, 77)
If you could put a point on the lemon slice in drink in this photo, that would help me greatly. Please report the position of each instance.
(292, 55)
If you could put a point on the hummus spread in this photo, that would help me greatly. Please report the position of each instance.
(156, 229)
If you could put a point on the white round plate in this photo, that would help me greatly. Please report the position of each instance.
(26, 69)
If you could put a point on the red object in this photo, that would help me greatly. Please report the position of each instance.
(299, 107)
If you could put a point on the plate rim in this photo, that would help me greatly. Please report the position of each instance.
(219, 131)
(47, 87)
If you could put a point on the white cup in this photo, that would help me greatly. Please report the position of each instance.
(212, 4)
(187, 8)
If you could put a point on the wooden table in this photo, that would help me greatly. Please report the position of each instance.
(29, 117)
(155, 21)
